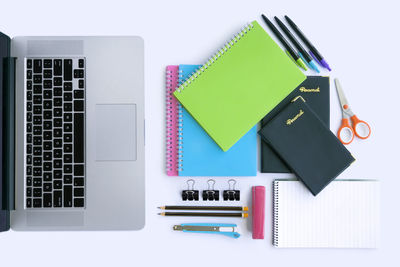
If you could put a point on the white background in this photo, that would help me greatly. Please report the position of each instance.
(360, 41)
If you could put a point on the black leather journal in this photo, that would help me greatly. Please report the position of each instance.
(306, 145)
(315, 90)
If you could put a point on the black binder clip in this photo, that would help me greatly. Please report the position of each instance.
(190, 194)
(231, 194)
(211, 194)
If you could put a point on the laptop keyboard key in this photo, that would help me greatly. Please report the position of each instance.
(47, 200)
(67, 158)
(78, 182)
(57, 67)
(68, 69)
(29, 202)
(78, 192)
(57, 184)
(47, 187)
(29, 191)
(67, 195)
(78, 138)
(58, 164)
(37, 78)
(78, 170)
(47, 155)
(67, 138)
(78, 105)
(57, 197)
(37, 192)
(67, 86)
(57, 174)
(57, 91)
(47, 176)
(67, 106)
(58, 153)
(57, 81)
(47, 74)
(37, 203)
(79, 202)
(37, 66)
(47, 115)
(68, 179)
(37, 151)
(78, 94)
(47, 84)
(67, 127)
(48, 63)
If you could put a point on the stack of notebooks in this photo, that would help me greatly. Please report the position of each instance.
(190, 151)
(213, 111)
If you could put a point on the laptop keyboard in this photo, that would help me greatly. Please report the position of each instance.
(55, 127)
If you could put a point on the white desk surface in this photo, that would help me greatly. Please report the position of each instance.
(358, 38)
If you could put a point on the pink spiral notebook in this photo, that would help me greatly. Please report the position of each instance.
(172, 77)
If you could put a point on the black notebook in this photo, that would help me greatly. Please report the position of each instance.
(307, 146)
(315, 90)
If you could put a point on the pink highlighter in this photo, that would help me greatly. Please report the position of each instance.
(258, 203)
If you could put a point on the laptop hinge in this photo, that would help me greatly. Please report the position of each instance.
(9, 130)
(7, 138)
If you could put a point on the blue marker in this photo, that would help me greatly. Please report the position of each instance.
(302, 52)
(312, 64)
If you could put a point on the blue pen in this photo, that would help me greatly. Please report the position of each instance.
(209, 228)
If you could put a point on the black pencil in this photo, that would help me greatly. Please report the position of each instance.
(227, 208)
(205, 214)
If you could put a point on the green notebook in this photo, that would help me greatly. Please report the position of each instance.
(239, 85)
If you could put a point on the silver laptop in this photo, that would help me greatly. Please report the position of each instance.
(79, 133)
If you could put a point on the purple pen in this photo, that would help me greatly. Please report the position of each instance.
(322, 62)
(313, 51)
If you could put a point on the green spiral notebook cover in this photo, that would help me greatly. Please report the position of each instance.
(239, 85)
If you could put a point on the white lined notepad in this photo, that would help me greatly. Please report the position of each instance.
(344, 215)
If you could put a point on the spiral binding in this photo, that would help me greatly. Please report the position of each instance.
(275, 213)
(180, 146)
(180, 129)
(171, 105)
(225, 49)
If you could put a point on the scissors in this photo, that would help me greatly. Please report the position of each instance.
(346, 132)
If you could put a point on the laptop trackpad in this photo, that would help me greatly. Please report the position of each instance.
(116, 132)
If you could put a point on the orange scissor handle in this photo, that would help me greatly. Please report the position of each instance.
(361, 128)
(345, 132)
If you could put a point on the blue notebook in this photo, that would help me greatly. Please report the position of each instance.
(199, 155)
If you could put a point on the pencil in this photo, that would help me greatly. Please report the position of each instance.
(227, 208)
(205, 214)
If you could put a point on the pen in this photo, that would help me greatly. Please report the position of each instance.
(302, 53)
(205, 214)
(289, 50)
(313, 51)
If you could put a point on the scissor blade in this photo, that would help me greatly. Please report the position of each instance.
(342, 98)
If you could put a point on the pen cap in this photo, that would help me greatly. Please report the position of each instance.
(258, 203)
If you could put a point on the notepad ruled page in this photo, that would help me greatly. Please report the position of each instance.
(344, 215)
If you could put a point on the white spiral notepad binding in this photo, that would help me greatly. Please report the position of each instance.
(344, 215)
